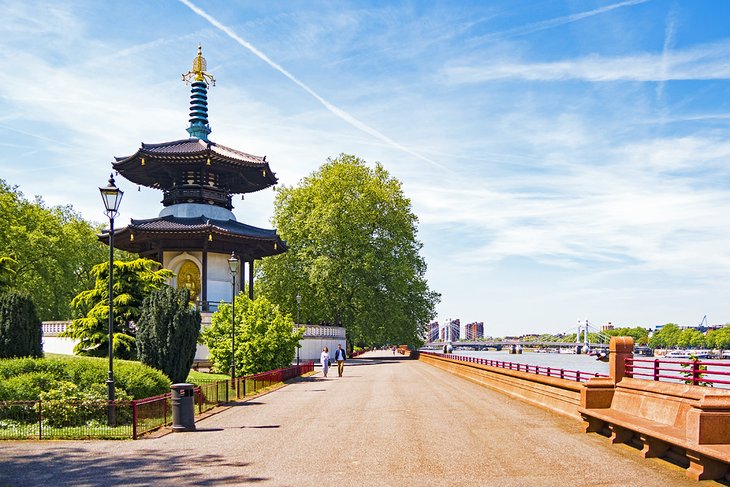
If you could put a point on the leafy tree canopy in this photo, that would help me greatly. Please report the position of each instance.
(133, 282)
(353, 254)
(52, 252)
(639, 334)
(719, 338)
(265, 337)
(666, 337)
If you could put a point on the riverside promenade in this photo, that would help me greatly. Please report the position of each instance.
(388, 422)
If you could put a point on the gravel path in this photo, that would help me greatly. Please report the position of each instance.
(386, 422)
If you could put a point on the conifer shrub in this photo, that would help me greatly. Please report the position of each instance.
(20, 328)
(167, 332)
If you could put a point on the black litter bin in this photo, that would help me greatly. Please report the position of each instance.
(183, 407)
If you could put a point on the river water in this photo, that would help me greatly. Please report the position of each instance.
(568, 361)
(571, 361)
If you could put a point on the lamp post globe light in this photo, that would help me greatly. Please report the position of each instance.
(233, 268)
(112, 197)
(299, 305)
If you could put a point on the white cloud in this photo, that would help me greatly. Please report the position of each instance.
(706, 62)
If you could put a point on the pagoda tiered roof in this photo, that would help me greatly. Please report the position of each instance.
(198, 162)
(147, 237)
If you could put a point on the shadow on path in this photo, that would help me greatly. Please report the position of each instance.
(80, 467)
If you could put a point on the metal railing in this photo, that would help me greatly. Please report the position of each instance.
(57, 419)
(573, 375)
(695, 372)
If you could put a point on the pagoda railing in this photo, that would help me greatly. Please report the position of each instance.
(197, 194)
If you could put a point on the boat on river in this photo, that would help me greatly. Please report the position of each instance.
(686, 354)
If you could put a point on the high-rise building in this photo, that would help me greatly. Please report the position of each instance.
(474, 330)
(433, 331)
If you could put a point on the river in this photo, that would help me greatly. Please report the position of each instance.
(570, 361)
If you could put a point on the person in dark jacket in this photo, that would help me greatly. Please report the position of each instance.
(340, 359)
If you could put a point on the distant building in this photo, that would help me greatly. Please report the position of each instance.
(455, 327)
(433, 331)
(474, 330)
(607, 327)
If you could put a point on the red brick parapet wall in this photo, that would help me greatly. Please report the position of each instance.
(559, 395)
(686, 423)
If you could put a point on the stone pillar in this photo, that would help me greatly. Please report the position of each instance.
(204, 279)
(250, 279)
(620, 348)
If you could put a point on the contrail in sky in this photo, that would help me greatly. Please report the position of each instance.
(566, 19)
(329, 106)
(669, 34)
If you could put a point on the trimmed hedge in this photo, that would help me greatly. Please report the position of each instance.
(27, 378)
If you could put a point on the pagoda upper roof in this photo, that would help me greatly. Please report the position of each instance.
(159, 166)
(171, 232)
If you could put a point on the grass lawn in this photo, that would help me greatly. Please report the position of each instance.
(197, 377)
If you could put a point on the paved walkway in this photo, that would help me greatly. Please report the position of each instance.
(387, 422)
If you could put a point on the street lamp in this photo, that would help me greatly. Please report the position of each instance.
(233, 268)
(112, 197)
(299, 306)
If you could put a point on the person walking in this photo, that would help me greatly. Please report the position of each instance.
(340, 358)
(324, 359)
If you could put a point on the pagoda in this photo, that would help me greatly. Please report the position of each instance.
(196, 231)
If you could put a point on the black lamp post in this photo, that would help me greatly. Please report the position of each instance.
(299, 305)
(112, 197)
(233, 268)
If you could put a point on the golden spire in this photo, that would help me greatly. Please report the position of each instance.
(198, 72)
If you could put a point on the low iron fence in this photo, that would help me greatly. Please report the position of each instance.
(695, 372)
(574, 375)
(47, 420)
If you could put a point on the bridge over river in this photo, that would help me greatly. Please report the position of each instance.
(387, 422)
(500, 344)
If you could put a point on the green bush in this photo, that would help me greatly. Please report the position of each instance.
(27, 387)
(25, 378)
(140, 380)
(68, 405)
(20, 328)
(15, 367)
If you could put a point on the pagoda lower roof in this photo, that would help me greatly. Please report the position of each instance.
(198, 233)
(160, 166)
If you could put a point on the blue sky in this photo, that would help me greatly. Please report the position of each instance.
(567, 159)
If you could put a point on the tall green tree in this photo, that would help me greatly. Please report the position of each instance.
(133, 282)
(265, 337)
(353, 254)
(719, 338)
(666, 337)
(20, 328)
(690, 337)
(7, 272)
(167, 332)
(639, 334)
(53, 248)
